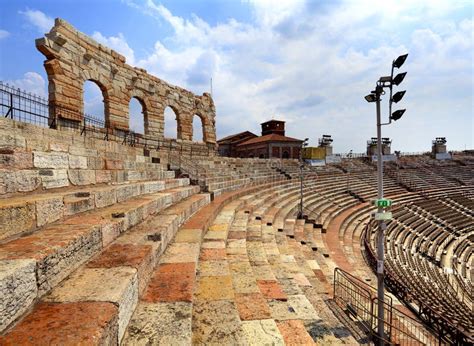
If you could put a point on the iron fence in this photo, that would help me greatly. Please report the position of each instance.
(359, 300)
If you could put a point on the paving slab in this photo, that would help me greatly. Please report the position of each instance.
(216, 322)
(80, 323)
(294, 333)
(171, 282)
(262, 332)
(181, 253)
(213, 268)
(252, 306)
(211, 288)
(160, 324)
(271, 290)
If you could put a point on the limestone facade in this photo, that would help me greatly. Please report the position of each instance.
(72, 58)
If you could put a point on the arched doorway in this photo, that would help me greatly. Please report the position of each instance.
(198, 129)
(286, 154)
(95, 104)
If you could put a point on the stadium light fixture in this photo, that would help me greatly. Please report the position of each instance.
(398, 96)
(399, 61)
(397, 114)
(382, 215)
(371, 98)
(399, 78)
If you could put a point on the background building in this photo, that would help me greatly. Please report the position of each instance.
(271, 144)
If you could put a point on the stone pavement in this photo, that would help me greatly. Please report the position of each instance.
(239, 282)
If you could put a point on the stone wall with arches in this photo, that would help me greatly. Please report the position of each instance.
(73, 58)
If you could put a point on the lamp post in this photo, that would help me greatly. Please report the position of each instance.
(381, 216)
(304, 144)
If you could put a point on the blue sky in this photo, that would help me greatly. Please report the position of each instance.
(307, 62)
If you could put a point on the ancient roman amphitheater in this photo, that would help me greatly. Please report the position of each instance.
(110, 237)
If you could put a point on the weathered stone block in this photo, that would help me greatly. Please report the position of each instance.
(95, 163)
(49, 210)
(117, 285)
(15, 159)
(16, 218)
(74, 204)
(127, 192)
(56, 146)
(54, 178)
(113, 164)
(80, 151)
(112, 229)
(153, 186)
(17, 289)
(12, 141)
(78, 162)
(54, 160)
(105, 198)
(102, 176)
(82, 176)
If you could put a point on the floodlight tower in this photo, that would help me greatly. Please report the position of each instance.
(304, 144)
(381, 216)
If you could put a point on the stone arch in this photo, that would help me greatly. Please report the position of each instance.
(170, 125)
(286, 154)
(138, 123)
(93, 76)
(200, 136)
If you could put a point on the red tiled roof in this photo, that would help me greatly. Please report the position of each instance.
(270, 138)
(236, 136)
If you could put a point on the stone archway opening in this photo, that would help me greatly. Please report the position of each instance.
(137, 116)
(95, 103)
(198, 129)
(286, 154)
(171, 123)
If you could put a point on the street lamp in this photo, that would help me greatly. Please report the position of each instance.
(381, 216)
(304, 144)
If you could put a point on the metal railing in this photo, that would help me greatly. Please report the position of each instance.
(359, 300)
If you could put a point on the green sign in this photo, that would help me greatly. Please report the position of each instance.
(383, 203)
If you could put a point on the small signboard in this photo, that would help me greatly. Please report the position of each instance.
(383, 216)
(383, 203)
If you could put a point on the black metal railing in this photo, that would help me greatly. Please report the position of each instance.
(359, 300)
(26, 107)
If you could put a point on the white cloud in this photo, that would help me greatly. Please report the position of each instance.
(117, 43)
(4, 34)
(311, 63)
(31, 82)
(40, 20)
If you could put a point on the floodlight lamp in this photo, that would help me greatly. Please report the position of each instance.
(399, 78)
(397, 114)
(370, 98)
(400, 61)
(398, 96)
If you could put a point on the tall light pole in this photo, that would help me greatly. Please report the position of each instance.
(381, 216)
(304, 144)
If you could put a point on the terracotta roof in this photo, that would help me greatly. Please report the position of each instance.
(270, 138)
(229, 138)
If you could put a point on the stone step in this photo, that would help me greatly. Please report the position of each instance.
(117, 275)
(39, 261)
(28, 213)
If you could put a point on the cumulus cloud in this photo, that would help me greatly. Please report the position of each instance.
(31, 82)
(4, 34)
(311, 63)
(38, 19)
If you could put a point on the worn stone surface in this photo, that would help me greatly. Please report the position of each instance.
(79, 323)
(15, 159)
(78, 162)
(116, 285)
(214, 288)
(271, 289)
(216, 322)
(81, 176)
(17, 218)
(171, 282)
(17, 289)
(188, 236)
(53, 160)
(49, 210)
(262, 332)
(105, 198)
(294, 333)
(54, 178)
(160, 324)
(181, 253)
(213, 268)
(252, 306)
(297, 307)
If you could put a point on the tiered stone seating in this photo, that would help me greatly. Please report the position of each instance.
(80, 247)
